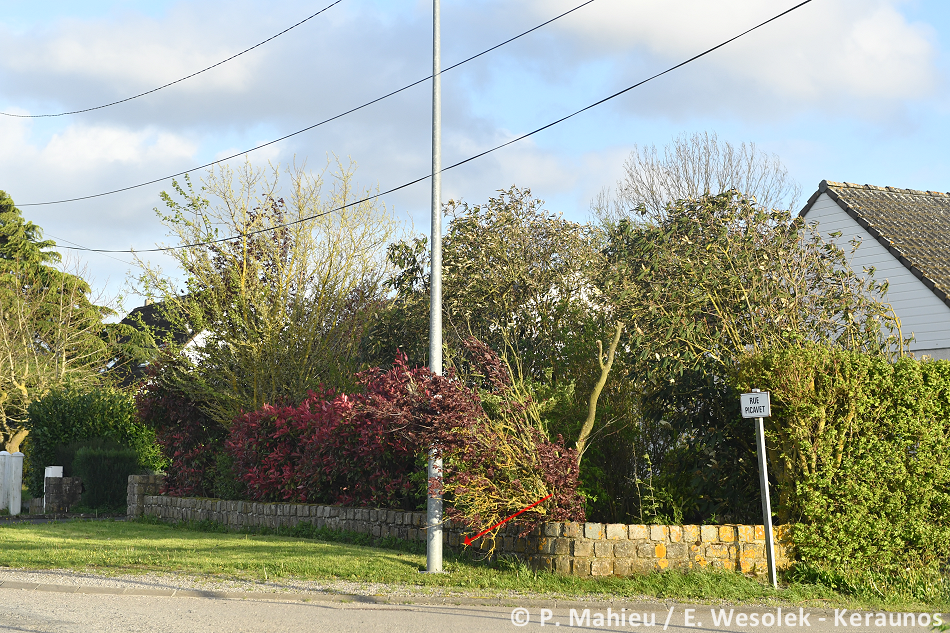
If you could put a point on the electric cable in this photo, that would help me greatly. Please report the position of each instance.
(172, 83)
(308, 128)
(470, 158)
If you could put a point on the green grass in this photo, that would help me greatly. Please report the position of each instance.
(111, 547)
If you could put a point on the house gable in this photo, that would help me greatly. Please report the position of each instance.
(913, 259)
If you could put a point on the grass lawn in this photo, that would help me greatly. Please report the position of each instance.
(110, 547)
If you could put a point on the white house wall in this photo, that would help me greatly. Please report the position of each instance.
(919, 309)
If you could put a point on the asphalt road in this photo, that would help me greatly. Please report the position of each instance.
(77, 609)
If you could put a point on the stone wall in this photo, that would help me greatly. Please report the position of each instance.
(61, 493)
(139, 487)
(580, 549)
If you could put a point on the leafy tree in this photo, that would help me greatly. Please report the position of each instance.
(52, 331)
(703, 285)
(281, 306)
(520, 279)
(515, 276)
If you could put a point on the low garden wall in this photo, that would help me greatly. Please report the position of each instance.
(579, 549)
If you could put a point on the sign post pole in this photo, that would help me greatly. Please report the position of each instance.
(757, 405)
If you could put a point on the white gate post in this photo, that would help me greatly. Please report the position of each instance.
(4, 481)
(14, 481)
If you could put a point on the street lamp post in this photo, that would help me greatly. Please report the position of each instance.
(434, 492)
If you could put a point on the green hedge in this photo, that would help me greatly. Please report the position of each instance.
(105, 475)
(860, 449)
(67, 416)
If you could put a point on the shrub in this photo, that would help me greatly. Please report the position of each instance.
(369, 449)
(105, 475)
(860, 447)
(188, 439)
(501, 460)
(271, 446)
(65, 416)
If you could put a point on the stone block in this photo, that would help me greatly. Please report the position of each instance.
(562, 546)
(594, 530)
(646, 550)
(676, 533)
(727, 533)
(572, 529)
(677, 551)
(752, 550)
(552, 529)
(746, 533)
(616, 531)
(661, 564)
(562, 565)
(544, 563)
(580, 566)
(601, 567)
(760, 533)
(636, 532)
(532, 545)
(709, 533)
(625, 549)
(583, 548)
(546, 545)
(622, 567)
(659, 533)
(603, 549)
(521, 545)
(717, 550)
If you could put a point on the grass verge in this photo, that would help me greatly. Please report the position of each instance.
(308, 553)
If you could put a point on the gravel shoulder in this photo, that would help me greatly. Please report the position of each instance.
(287, 589)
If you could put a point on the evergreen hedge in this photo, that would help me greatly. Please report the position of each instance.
(66, 416)
(860, 449)
(105, 475)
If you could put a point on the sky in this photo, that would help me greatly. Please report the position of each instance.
(844, 90)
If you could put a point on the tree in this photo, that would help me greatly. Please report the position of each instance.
(51, 330)
(515, 276)
(696, 165)
(703, 285)
(281, 284)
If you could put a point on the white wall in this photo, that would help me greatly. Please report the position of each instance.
(918, 308)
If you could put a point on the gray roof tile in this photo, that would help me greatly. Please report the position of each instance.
(913, 225)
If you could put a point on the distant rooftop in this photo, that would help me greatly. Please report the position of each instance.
(913, 225)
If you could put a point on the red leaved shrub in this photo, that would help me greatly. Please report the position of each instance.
(370, 448)
(503, 461)
(187, 437)
(361, 450)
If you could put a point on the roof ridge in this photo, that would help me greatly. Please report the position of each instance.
(851, 185)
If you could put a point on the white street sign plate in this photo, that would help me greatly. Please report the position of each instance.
(755, 405)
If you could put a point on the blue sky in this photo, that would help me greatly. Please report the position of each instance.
(852, 90)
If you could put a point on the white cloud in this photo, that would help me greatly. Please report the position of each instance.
(90, 148)
(822, 52)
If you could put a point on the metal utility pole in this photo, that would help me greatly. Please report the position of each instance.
(433, 500)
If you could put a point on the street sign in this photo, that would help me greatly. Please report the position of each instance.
(755, 405)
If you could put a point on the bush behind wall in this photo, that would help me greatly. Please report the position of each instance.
(68, 415)
(860, 448)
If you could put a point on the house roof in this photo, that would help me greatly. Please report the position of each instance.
(914, 226)
(153, 316)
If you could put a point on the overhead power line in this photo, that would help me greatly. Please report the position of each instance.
(310, 127)
(466, 160)
(172, 83)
